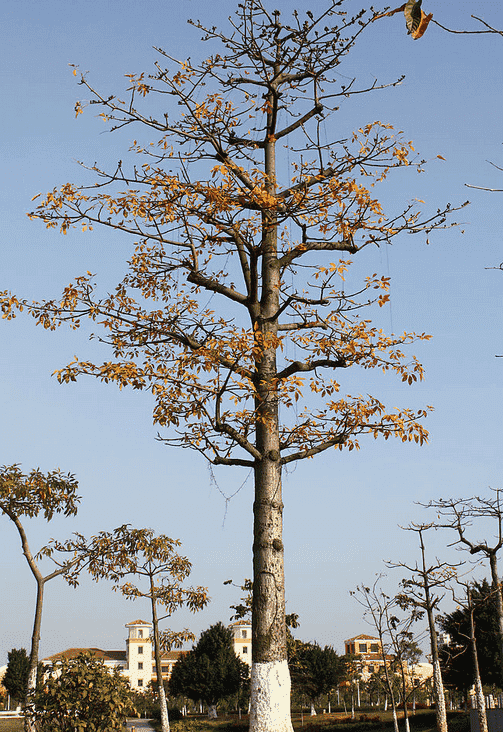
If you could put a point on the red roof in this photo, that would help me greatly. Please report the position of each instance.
(98, 652)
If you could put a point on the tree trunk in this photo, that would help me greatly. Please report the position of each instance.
(395, 719)
(313, 710)
(479, 693)
(212, 711)
(438, 686)
(496, 585)
(29, 724)
(270, 676)
(157, 655)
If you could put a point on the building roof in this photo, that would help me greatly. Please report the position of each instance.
(172, 655)
(137, 622)
(240, 622)
(98, 652)
(361, 637)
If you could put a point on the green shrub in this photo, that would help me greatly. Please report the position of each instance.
(81, 695)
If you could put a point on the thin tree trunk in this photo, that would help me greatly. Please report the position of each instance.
(390, 691)
(438, 686)
(157, 655)
(496, 585)
(404, 695)
(479, 693)
(29, 724)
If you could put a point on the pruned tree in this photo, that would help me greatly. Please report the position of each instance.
(127, 553)
(423, 590)
(247, 214)
(30, 495)
(459, 515)
(211, 671)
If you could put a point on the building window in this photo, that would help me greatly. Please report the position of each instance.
(140, 666)
(140, 682)
(140, 649)
(245, 649)
(374, 648)
(362, 647)
(140, 634)
(244, 634)
(164, 669)
(371, 669)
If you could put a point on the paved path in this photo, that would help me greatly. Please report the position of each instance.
(139, 724)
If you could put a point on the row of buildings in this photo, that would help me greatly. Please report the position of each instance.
(136, 661)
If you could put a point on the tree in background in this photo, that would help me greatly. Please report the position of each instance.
(211, 671)
(126, 553)
(398, 648)
(247, 210)
(15, 678)
(456, 657)
(316, 671)
(29, 496)
(459, 515)
(420, 592)
(82, 694)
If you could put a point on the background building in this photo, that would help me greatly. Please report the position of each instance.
(136, 661)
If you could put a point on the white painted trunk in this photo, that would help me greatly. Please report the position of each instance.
(313, 710)
(212, 711)
(481, 705)
(438, 688)
(164, 708)
(270, 695)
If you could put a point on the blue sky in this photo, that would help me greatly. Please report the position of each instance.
(342, 511)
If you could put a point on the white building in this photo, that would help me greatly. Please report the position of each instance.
(137, 663)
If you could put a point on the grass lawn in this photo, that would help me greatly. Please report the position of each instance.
(11, 725)
(421, 722)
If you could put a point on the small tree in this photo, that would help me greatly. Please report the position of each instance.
(379, 611)
(316, 671)
(31, 495)
(126, 553)
(82, 695)
(211, 671)
(15, 678)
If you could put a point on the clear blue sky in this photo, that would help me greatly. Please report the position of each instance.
(342, 511)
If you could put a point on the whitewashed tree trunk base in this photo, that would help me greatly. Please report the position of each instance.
(270, 697)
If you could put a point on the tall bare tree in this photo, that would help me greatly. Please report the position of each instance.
(234, 312)
(398, 647)
(424, 589)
